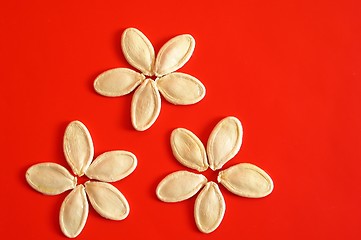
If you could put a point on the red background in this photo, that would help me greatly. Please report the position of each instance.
(289, 70)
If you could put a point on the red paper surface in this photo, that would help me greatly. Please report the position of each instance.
(289, 70)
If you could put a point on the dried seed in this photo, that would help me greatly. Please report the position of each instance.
(78, 147)
(112, 166)
(107, 200)
(246, 180)
(50, 178)
(179, 186)
(74, 212)
(174, 54)
(209, 208)
(181, 88)
(188, 149)
(146, 105)
(138, 50)
(117, 82)
(224, 142)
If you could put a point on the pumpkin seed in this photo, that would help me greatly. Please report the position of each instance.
(224, 142)
(174, 54)
(138, 50)
(74, 212)
(209, 208)
(117, 82)
(181, 88)
(50, 178)
(112, 166)
(146, 105)
(107, 200)
(78, 147)
(179, 186)
(188, 149)
(246, 180)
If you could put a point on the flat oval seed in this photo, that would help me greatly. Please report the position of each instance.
(117, 82)
(74, 212)
(112, 166)
(174, 54)
(246, 180)
(107, 200)
(181, 88)
(138, 50)
(209, 208)
(188, 149)
(50, 178)
(78, 147)
(146, 105)
(224, 142)
(179, 186)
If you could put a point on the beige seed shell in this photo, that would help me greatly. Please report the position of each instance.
(74, 212)
(107, 200)
(181, 88)
(224, 142)
(78, 147)
(138, 50)
(146, 104)
(188, 149)
(174, 54)
(246, 180)
(50, 178)
(209, 208)
(112, 166)
(179, 186)
(117, 82)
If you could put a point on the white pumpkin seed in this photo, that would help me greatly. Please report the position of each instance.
(246, 180)
(78, 147)
(50, 178)
(117, 82)
(209, 208)
(174, 54)
(224, 142)
(138, 50)
(181, 88)
(179, 186)
(74, 212)
(112, 166)
(107, 200)
(188, 149)
(146, 105)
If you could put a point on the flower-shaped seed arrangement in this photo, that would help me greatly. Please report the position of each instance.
(244, 179)
(53, 179)
(177, 88)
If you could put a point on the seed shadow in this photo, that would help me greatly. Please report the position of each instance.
(117, 44)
